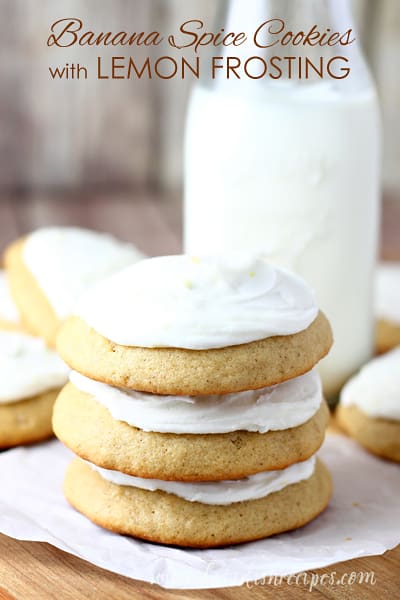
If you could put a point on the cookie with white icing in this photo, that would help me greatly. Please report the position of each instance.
(369, 408)
(51, 268)
(168, 518)
(184, 326)
(31, 377)
(80, 422)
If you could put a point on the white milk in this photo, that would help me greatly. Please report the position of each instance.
(295, 175)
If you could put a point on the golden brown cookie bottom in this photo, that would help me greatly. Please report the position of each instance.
(387, 336)
(379, 436)
(27, 421)
(169, 519)
(194, 372)
(89, 430)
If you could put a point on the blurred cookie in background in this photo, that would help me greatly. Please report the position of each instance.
(49, 269)
(31, 377)
(369, 408)
(9, 316)
(387, 306)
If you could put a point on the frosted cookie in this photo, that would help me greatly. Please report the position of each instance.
(387, 307)
(9, 317)
(369, 408)
(31, 377)
(200, 515)
(52, 267)
(185, 439)
(185, 326)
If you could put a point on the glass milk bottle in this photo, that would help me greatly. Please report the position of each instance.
(289, 166)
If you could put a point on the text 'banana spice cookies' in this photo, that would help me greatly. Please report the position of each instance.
(194, 408)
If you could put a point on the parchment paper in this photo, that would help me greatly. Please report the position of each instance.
(363, 518)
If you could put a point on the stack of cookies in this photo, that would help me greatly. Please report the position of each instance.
(47, 272)
(31, 377)
(194, 407)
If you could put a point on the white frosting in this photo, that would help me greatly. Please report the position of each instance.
(8, 310)
(387, 300)
(27, 367)
(376, 388)
(278, 407)
(219, 492)
(67, 261)
(187, 302)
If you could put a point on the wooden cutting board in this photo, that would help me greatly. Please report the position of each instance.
(34, 571)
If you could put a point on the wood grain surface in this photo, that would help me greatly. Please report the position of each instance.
(37, 571)
(33, 571)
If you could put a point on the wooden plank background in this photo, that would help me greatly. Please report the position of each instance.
(64, 135)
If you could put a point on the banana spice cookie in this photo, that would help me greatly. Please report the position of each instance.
(178, 325)
(262, 432)
(369, 408)
(228, 513)
(194, 407)
(51, 268)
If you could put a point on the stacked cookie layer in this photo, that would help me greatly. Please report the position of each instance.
(194, 407)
